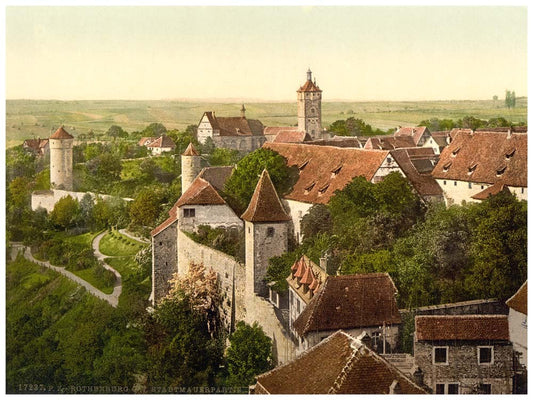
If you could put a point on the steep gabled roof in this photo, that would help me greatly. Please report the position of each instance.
(306, 291)
(200, 192)
(340, 364)
(173, 217)
(291, 136)
(461, 327)
(274, 130)
(190, 150)
(491, 191)
(265, 205)
(61, 133)
(350, 301)
(216, 176)
(162, 141)
(485, 157)
(518, 301)
(144, 141)
(416, 132)
(389, 142)
(424, 184)
(325, 169)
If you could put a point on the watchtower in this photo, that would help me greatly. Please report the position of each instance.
(61, 160)
(191, 165)
(310, 108)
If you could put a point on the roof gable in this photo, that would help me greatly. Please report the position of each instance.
(416, 132)
(162, 141)
(190, 150)
(325, 169)
(485, 157)
(200, 192)
(350, 301)
(265, 205)
(424, 184)
(61, 133)
(461, 327)
(338, 364)
(309, 86)
(518, 301)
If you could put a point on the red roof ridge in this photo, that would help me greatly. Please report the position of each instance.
(265, 204)
(61, 133)
(201, 192)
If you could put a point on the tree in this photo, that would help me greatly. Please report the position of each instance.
(155, 129)
(222, 156)
(241, 184)
(146, 207)
(317, 220)
(104, 168)
(66, 212)
(510, 99)
(86, 209)
(116, 131)
(249, 354)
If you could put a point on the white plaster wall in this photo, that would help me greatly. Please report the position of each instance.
(431, 143)
(204, 130)
(455, 192)
(293, 308)
(518, 333)
(213, 215)
(297, 210)
(388, 165)
(61, 163)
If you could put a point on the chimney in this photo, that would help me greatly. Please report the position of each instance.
(509, 133)
(243, 111)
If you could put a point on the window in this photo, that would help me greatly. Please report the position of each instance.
(298, 306)
(440, 355)
(469, 185)
(454, 183)
(375, 339)
(447, 388)
(485, 354)
(522, 190)
(484, 388)
(160, 243)
(444, 182)
(270, 231)
(189, 212)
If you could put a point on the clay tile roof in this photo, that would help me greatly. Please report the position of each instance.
(265, 205)
(173, 217)
(61, 134)
(424, 184)
(200, 192)
(339, 364)
(341, 141)
(309, 86)
(239, 126)
(518, 301)
(291, 136)
(300, 271)
(274, 130)
(319, 161)
(296, 265)
(307, 277)
(351, 301)
(461, 327)
(190, 150)
(491, 191)
(216, 176)
(145, 141)
(491, 151)
(163, 141)
(416, 132)
(389, 142)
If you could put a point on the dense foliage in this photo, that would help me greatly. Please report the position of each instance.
(226, 240)
(354, 127)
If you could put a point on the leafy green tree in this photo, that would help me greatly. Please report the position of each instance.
(471, 122)
(146, 207)
(116, 131)
(222, 156)
(104, 169)
(182, 139)
(339, 128)
(510, 99)
(86, 209)
(66, 212)
(317, 220)
(279, 268)
(241, 184)
(155, 129)
(249, 354)
(19, 163)
(19, 192)
(435, 124)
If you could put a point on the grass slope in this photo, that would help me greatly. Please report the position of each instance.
(116, 244)
(38, 118)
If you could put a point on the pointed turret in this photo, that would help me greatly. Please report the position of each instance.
(191, 165)
(190, 150)
(61, 176)
(265, 205)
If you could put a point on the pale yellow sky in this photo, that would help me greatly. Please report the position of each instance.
(357, 53)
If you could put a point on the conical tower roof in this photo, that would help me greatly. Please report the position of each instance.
(265, 205)
(61, 134)
(190, 151)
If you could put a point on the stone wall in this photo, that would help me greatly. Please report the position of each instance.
(518, 334)
(230, 274)
(213, 215)
(164, 260)
(483, 306)
(463, 366)
(47, 199)
(61, 163)
(246, 143)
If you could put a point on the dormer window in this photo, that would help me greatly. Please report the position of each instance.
(501, 170)
(509, 154)
(447, 166)
(454, 153)
(336, 171)
(323, 189)
(472, 168)
(301, 167)
(310, 187)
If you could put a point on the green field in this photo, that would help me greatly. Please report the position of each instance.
(38, 118)
(116, 244)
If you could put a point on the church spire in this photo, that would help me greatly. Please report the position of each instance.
(309, 73)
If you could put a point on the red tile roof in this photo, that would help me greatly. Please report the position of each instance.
(216, 176)
(424, 184)
(461, 327)
(309, 86)
(200, 192)
(163, 141)
(341, 141)
(316, 276)
(61, 134)
(145, 141)
(518, 301)
(485, 157)
(325, 169)
(265, 205)
(173, 217)
(235, 126)
(491, 191)
(340, 364)
(274, 130)
(350, 301)
(291, 136)
(190, 150)
(390, 142)
(35, 144)
(416, 132)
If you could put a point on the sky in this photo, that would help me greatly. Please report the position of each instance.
(204, 52)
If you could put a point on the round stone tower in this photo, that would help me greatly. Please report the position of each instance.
(61, 160)
(310, 108)
(191, 165)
